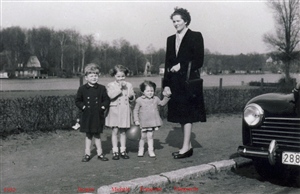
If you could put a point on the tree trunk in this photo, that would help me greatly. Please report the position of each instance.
(62, 61)
(287, 72)
(82, 61)
(73, 64)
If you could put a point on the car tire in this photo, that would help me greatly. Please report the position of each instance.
(293, 173)
(266, 170)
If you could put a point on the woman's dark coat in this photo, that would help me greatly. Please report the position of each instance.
(93, 98)
(181, 108)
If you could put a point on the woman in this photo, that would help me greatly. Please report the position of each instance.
(182, 48)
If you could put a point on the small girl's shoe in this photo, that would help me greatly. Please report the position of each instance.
(115, 156)
(141, 152)
(151, 153)
(124, 155)
(86, 158)
(102, 157)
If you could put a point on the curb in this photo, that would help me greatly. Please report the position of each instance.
(156, 182)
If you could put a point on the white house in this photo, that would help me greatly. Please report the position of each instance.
(3, 74)
(32, 69)
(162, 69)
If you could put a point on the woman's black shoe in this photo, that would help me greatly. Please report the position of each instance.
(175, 153)
(184, 155)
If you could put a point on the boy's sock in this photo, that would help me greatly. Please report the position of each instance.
(98, 146)
(88, 143)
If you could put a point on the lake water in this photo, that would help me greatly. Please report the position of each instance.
(73, 83)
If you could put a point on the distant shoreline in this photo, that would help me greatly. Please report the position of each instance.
(73, 83)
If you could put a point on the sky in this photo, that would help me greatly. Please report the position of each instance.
(228, 27)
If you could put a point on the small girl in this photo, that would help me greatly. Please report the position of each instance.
(146, 115)
(93, 101)
(121, 94)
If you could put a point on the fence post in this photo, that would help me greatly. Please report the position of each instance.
(262, 83)
(220, 92)
(221, 83)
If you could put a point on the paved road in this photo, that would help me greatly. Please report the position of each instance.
(52, 163)
(55, 160)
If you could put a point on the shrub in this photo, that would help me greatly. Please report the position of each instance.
(37, 113)
(286, 86)
(47, 113)
(265, 84)
(282, 85)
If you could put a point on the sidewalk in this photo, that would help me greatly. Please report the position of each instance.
(155, 183)
(52, 164)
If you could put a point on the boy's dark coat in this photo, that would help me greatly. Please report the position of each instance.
(93, 98)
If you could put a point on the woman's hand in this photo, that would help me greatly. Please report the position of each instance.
(167, 92)
(175, 68)
(298, 86)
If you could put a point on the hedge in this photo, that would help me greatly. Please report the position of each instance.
(48, 113)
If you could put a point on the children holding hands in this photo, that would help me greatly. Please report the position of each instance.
(146, 114)
(96, 101)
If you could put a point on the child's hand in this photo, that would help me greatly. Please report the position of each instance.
(131, 97)
(123, 86)
(136, 122)
(102, 107)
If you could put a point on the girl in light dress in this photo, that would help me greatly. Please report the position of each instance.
(121, 95)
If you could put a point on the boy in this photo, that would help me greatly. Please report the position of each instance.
(92, 100)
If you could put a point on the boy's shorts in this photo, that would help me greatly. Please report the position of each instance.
(91, 135)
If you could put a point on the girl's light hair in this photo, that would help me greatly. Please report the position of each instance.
(91, 68)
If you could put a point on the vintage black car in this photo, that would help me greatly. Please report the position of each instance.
(271, 132)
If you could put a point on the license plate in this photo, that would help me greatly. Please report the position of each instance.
(291, 158)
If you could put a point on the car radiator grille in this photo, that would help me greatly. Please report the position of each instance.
(286, 131)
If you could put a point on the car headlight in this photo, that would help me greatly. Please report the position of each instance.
(253, 114)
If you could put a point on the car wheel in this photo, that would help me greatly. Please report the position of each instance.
(266, 170)
(293, 173)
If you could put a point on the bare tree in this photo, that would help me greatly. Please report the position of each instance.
(62, 37)
(287, 37)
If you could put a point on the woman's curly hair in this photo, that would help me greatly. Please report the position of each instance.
(185, 15)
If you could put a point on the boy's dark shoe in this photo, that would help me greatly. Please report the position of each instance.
(86, 158)
(124, 155)
(102, 157)
(115, 156)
